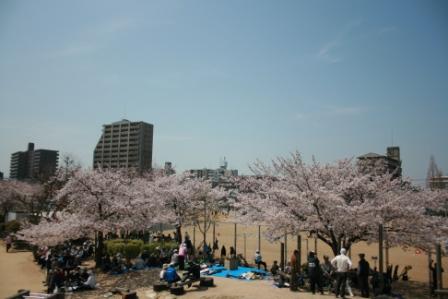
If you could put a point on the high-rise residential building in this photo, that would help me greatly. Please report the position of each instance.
(33, 164)
(390, 162)
(125, 144)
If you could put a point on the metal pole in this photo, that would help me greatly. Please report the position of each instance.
(245, 245)
(380, 249)
(214, 235)
(439, 266)
(386, 240)
(194, 236)
(299, 248)
(259, 238)
(282, 256)
(234, 238)
(430, 272)
(286, 249)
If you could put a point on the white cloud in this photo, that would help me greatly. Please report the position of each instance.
(326, 53)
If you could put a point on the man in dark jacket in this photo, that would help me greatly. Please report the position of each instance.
(314, 272)
(363, 275)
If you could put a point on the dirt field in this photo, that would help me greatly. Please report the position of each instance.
(18, 271)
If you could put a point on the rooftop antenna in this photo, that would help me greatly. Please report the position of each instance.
(392, 136)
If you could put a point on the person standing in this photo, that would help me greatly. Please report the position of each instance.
(182, 256)
(8, 242)
(327, 273)
(314, 272)
(342, 264)
(259, 260)
(295, 269)
(223, 252)
(363, 275)
(433, 269)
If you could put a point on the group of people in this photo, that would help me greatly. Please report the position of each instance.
(63, 266)
(335, 274)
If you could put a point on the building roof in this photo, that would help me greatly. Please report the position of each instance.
(371, 155)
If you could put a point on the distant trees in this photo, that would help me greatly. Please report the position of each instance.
(19, 196)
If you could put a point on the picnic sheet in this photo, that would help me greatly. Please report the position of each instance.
(223, 272)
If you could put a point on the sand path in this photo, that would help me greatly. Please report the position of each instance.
(18, 271)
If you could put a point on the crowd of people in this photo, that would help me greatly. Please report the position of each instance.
(63, 266)
(335, 276)
(64, 271)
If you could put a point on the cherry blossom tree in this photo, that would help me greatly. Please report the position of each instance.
(338, 203)
(175, 192)
(207, 203)
(97, 202)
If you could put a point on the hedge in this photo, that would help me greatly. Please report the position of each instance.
(130, 249)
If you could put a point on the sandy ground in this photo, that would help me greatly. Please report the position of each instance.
(18, 271)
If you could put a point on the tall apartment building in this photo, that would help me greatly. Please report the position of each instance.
(33, 164)
(125, 144)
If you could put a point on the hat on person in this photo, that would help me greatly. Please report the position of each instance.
(257, 251)
(175, 250)
(343, 251)
(165, 266)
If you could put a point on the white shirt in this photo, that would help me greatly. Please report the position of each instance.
(342, 263)
(91, 281)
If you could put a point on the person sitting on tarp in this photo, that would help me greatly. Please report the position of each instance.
(170, 275)
(90, 283)
(193, 274)
(275, 268)
(259, 260)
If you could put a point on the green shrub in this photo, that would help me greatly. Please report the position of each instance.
(114, 247)
(131, 250)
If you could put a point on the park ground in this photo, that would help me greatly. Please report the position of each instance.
(18, 271)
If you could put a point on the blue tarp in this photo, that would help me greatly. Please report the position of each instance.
(223, 272)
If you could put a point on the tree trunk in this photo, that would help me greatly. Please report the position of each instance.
(179, 234)
(99, 250)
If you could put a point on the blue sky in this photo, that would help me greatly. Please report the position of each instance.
(240, 79)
